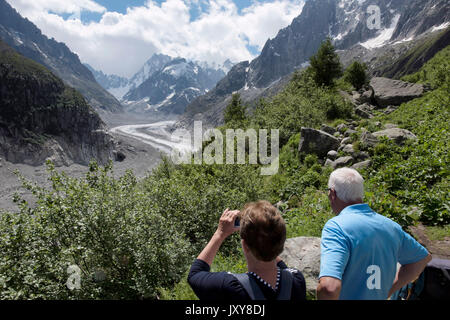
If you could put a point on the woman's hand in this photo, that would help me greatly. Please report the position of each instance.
(225, 228)
(226, 223)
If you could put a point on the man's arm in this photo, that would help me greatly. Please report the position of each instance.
(408, 273)
(334, 257)
(329, 288)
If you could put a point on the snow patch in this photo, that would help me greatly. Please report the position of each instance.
(340, 36)
(383, 37)
(176, 70)
(18, 40)
(441, 27)
(40, 51)
(159, 105)
(404, 40)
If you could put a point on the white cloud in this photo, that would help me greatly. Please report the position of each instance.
(26, 7)
(121, 43)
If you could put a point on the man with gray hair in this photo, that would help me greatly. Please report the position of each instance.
(360, 248)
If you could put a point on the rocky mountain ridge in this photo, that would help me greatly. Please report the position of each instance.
(23, 36)
(170, 87)
(345, 22)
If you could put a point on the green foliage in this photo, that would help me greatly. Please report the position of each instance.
(105, 226)
(196, 195)
(310, 160)
(234, 113)
(307, 105)
(356, 74)
(325, 64)
(309, 216)
(435, 72)
(416, 174)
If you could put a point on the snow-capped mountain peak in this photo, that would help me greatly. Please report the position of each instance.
(172, 87)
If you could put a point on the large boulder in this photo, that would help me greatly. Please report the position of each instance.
(396, 134)
(328, 129)
(389, 92)
(342, 162)
(362, 165)
(317, 142)
(368, 139)
(303, 253)
(364, 111)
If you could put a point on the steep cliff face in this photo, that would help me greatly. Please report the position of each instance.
(294, 44)
(24, 37)
(42, 118)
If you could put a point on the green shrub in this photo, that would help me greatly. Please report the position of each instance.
(310, 160)
(194, 196)
(416, 174)
(106, 227)
(310, 215)
(307, 105)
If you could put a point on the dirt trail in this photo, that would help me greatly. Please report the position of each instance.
(437, 248)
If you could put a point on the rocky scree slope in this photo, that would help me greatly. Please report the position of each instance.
(335, 146)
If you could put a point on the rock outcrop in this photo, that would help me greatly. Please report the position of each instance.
(317, 142)
(389, 92)
(398, 135)
(303, 253)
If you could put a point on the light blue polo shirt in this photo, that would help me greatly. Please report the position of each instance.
(361, 248)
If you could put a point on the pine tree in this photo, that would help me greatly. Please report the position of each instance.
(326, 65)
(235, 111)
(356, 75)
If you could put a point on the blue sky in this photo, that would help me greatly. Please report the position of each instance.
(117, 37)
(121, 7)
